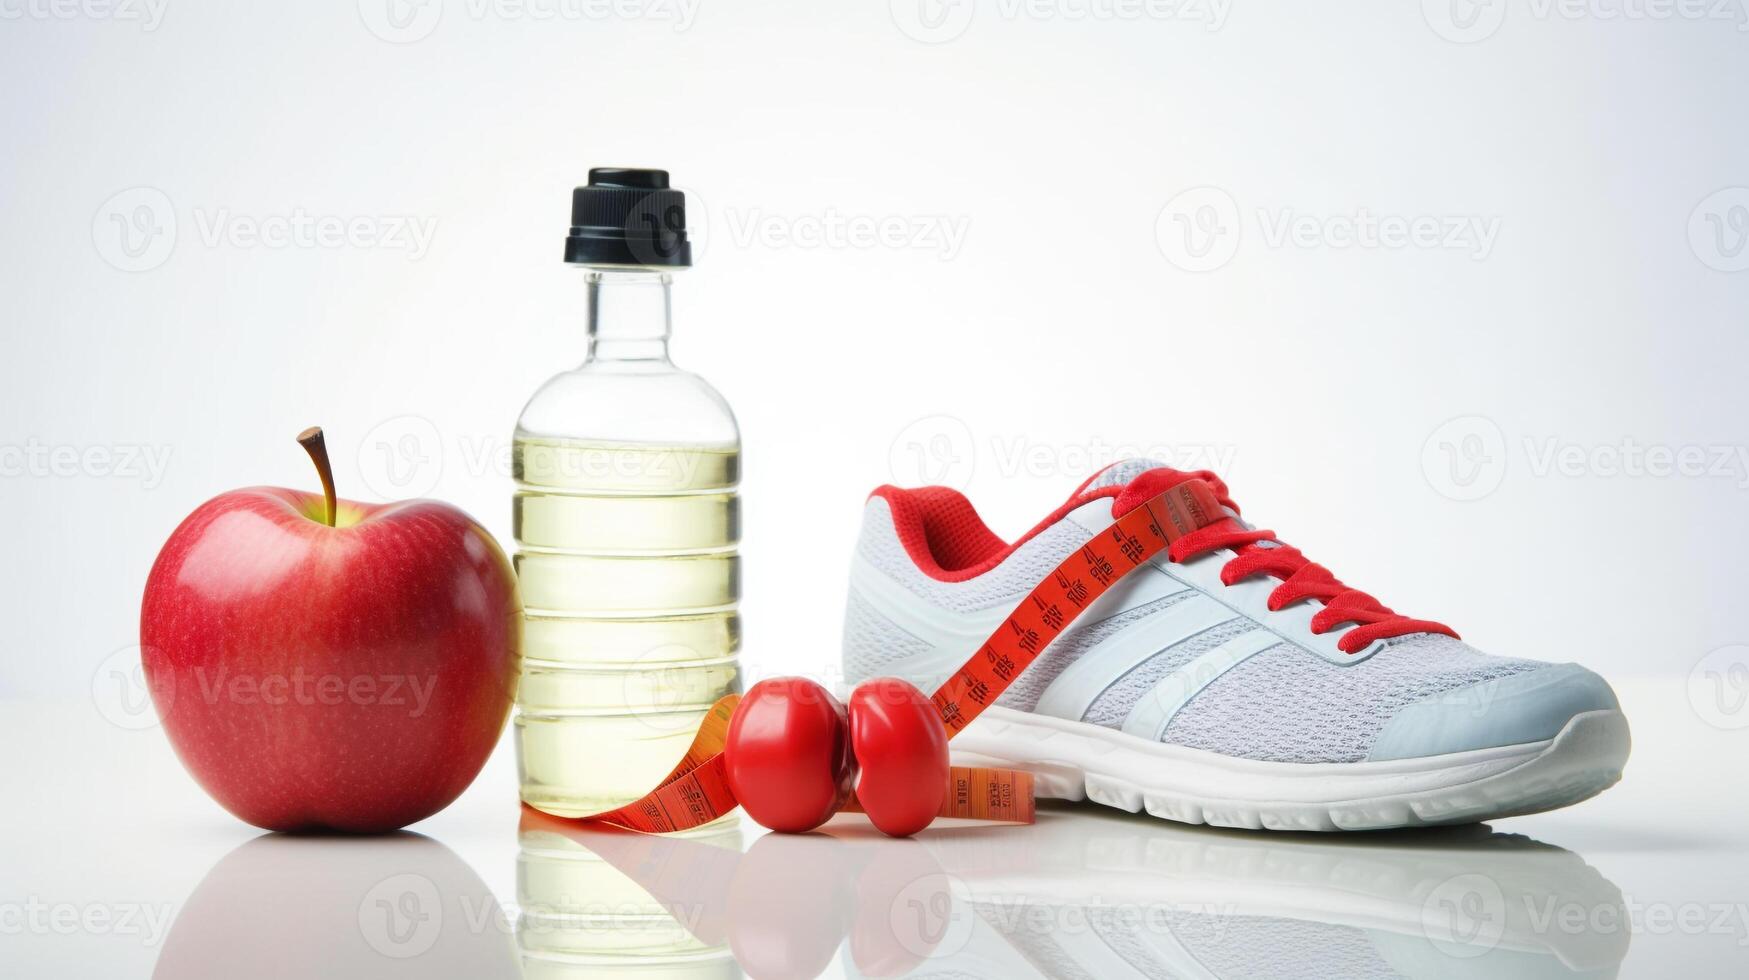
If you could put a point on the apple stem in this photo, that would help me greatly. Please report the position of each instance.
(311, 440)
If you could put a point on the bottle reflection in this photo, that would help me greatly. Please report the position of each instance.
(400, 905)
(780, 911)
(1078, 894)
(609, 903)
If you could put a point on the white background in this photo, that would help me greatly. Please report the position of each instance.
(1065, 148)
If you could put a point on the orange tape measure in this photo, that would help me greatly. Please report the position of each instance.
(697, 790)
(694, 793)
(1065, 594)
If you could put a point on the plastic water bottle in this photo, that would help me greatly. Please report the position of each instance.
(626, 520)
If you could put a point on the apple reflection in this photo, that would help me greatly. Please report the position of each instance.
(280, 905)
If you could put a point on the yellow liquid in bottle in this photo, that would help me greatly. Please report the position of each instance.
(629, 579)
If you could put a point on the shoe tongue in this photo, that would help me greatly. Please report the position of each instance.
(1121, 473)
(1130, 476)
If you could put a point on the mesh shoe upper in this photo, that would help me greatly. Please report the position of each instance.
(1283, 704)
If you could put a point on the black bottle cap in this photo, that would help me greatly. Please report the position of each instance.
(628, 217)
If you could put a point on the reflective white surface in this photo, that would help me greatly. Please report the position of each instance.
(116, 865)
(1540, 441)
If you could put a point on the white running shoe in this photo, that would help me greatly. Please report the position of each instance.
(1240, 685)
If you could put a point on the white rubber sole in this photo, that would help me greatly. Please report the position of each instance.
(1074, 760)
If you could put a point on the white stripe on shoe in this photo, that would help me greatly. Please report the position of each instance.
(1155, 709)
(1081, 683)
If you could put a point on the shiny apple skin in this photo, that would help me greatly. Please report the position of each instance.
(787, 754)
(350, 678)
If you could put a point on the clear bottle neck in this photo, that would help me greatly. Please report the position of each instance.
(628, 315)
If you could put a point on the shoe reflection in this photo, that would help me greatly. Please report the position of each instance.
(1078, 894)
(279, 905)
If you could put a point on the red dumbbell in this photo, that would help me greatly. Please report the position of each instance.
(898, 740)
(787, 754)
(792, 755)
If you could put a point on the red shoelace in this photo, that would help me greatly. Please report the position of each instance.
(1301, 578)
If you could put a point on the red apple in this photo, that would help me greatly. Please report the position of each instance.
(325, 664)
